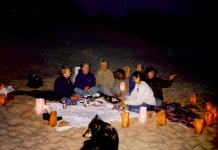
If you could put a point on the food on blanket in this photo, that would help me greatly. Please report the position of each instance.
(63, 123)
(114, 99)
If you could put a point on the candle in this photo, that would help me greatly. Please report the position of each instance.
(161, 118)
(2, 99)
(125, 119)
(198, 125)
(209, 106)
(53, 118)
(40, 106)
(209, 119)
(142, 114)
(193, 99)
(122, 86)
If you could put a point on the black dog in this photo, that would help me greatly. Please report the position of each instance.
(102, 136)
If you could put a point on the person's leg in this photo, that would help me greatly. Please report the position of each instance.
(95, 89)
(79, 91)
(117, 91)
(105, 91)
(134, 108)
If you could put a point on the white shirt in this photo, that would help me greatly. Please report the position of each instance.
(142, 93)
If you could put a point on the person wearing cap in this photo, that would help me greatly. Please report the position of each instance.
(157, 84)
(139, 67)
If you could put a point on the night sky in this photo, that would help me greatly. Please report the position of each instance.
(121, 7)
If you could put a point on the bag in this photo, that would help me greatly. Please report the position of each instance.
(34, 81)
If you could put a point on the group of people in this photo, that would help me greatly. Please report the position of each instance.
(145, 88)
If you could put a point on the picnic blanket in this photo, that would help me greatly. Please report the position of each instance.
(81, 116)
(181, 115)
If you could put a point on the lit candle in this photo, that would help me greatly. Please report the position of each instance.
(125, 119)
(2, 99)
(193, 99)
(209, 119)
(122, 86)
(209, 106)
(198, 125)
(161, 118)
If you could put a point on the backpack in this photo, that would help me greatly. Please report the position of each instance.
(34, 81)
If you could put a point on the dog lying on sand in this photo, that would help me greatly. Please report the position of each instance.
(102, 136)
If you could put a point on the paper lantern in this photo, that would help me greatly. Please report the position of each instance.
(209, 119)
(209, 106)
(40, 106)
(142, 114)
(198, 125)
(2, 99)
(215, 112)
(53, 118)
(161, 118)
(193, 99)
(122, 86)
(125, 119)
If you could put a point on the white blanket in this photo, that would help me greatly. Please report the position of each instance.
(80, 116)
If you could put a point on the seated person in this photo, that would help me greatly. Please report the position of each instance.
(105, 80)
(142, 95)
(63, 86)
(85, 81)
(139, 67)
(157, 84)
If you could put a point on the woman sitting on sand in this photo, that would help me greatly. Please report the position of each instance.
(157, 84)
(105, 80)
(85, 81)
(63, 86)
(139, 67)
(142, 94)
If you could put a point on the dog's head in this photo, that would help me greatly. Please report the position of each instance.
(94, 127)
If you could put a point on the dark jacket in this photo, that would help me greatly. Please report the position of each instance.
(63, 87)
(157, 84)
(83, 80)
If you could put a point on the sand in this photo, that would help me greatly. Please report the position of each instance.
(21, 128)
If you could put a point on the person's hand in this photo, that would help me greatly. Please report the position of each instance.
(74, 97)
(86, 88)
(171, 77)
(89, 89)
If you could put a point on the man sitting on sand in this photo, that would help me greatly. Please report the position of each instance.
(63, 86)
(157, 84)
(85, 81)
(142, 95)
(105, 80)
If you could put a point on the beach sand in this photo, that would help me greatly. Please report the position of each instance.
(21, 128)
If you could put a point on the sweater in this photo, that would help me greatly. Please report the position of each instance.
(105, 79)
(142, 93)
(82, 80)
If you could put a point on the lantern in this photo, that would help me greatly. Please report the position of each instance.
(76, 70)
(125, 119)
(122, 86)
(209, 106)
(142, 114)
(53, 118)
(40, 106)
(209, 119)
(215, 112)
(193, 99)
(198, 125)
(161, 118)
(2, 99)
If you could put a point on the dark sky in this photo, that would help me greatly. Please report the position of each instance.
(120, 7)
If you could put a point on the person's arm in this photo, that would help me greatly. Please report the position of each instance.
(111, 79)
(137, 96)
(98, 78)
(93, 80)
(164, 83)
